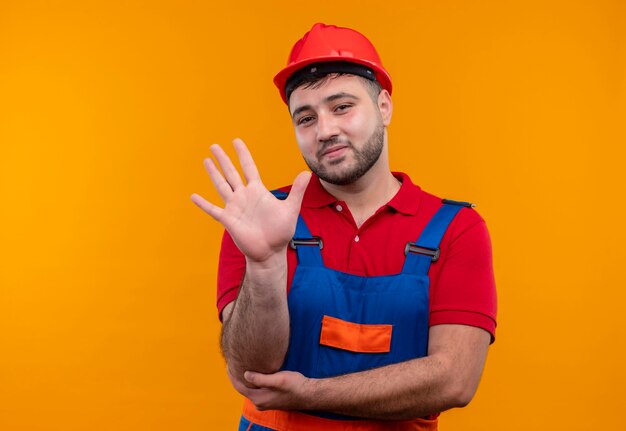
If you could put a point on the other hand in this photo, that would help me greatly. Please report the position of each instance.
(284, 390)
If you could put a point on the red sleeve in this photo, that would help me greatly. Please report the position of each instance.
(465, 290)
(230, 272)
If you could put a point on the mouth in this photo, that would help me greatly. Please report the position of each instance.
(333, 151)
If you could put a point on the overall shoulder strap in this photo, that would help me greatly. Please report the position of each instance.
(307, 247)
(421, 253)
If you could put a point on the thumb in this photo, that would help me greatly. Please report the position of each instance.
(298, 188)
(257, 379)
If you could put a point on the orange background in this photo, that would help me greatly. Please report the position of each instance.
(107, 270)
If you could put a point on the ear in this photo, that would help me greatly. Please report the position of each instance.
(385, 106)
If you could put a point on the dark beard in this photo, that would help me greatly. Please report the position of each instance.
(364, 159)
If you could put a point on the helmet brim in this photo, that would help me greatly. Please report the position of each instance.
(280, 80)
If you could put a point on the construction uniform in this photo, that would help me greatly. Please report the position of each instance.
(349, 321)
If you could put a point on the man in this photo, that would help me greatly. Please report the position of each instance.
(352, 299)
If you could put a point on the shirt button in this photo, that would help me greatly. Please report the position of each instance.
(338, 207)
(356, 238)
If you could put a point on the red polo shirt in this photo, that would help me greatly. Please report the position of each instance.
(462, 286)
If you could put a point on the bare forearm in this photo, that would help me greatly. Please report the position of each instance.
(255, 334)
(448, 377)
(407, 390)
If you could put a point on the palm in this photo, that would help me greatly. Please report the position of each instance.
(260, 224)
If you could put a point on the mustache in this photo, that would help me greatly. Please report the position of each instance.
(335, 140)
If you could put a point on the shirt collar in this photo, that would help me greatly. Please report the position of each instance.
(406, 201)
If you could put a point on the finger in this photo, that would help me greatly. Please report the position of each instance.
(212, 210)
(230, 172)
(250, 171)
(296, 194)
(260, 380)
(254, 378)
(223, 188)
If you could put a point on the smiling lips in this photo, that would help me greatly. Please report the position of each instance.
(333, 151)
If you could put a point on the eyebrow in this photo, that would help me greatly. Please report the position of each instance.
(330, 98)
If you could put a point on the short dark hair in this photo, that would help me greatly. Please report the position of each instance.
(373, 87)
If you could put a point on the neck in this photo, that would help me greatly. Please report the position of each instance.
(366, 195)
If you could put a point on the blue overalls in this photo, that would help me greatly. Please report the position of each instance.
(343, 323)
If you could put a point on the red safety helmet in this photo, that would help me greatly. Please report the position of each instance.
(329, 43)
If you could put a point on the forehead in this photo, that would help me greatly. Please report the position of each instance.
(318, 93)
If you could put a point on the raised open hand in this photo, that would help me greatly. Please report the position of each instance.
(260, 224)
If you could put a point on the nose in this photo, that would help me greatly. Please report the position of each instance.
(327, 127)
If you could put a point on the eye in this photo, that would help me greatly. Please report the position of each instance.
(343, 107)
(305, 120)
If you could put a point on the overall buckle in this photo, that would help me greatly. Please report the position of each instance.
(316, 240)
(411, 247)
(459, 203)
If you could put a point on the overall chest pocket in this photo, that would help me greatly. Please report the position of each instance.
(343, 323)
(355, 337)
(346, 347)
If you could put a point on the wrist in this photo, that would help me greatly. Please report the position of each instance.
(267, 276)
(273, 262)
